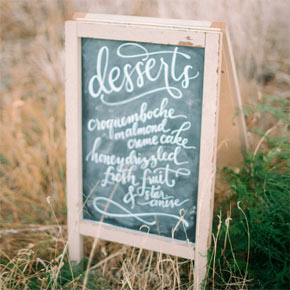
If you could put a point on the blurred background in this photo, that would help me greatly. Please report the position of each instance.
(32, 81)
(32, 111)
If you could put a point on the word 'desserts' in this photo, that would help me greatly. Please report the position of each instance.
(139, 66)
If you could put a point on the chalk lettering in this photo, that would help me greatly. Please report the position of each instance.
(107, 81)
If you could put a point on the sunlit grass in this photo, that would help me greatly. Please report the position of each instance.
(32, 144)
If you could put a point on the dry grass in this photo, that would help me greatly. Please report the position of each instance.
(32, 132)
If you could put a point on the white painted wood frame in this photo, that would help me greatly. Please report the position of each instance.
(174, 32)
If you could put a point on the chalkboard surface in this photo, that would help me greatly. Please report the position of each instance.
(141, 126)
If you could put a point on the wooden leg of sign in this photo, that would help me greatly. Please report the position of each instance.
(200, 267)
(203, 242)
(75, 244)
(75, 239)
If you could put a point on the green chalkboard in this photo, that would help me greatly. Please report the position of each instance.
(141, 127)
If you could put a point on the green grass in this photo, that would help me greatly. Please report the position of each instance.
(253, 245)
(26, 272)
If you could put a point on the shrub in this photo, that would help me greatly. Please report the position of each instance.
(252, 247)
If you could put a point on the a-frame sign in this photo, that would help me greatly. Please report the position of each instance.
(150, 107)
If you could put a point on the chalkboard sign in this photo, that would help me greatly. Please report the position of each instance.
(142, 105)
(141, 125)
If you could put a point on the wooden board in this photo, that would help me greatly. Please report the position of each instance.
(211, 37)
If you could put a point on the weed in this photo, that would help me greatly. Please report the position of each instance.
(261, 187)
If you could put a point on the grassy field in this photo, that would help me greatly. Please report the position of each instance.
(250, 248)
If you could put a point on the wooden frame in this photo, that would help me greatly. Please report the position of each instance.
(176, 32)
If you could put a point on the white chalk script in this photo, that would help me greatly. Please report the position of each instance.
(156, 139)
(116, 80)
